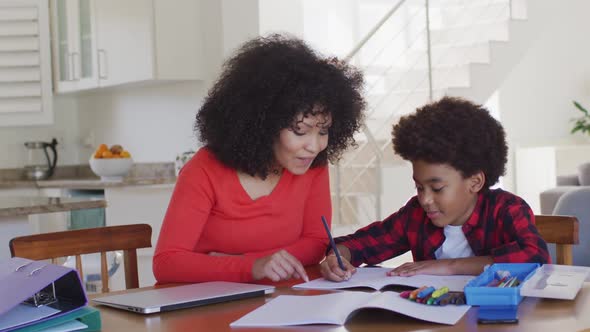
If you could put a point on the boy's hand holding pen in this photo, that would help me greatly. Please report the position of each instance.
(331, 270)
(336, 266)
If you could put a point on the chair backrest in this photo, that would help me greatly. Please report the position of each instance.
(561, 230)
(86, 241)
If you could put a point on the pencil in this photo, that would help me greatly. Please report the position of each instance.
(333, 244)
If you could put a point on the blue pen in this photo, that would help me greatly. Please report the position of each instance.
(333, 244)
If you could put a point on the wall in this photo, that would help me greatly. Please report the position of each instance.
(65, 129)
(333, 32)
(154, 123)
(535, 101)
(281, 16)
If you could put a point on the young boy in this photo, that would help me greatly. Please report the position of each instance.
(456, 224)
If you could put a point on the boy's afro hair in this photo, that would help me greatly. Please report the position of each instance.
(455, 132)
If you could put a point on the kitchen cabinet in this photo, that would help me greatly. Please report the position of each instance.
(74, 45)
(139, 204)
(103, 43)
(25, 63)
(19, 192)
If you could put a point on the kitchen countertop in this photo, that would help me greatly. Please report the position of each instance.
(81, 177)
(96, 183)
(19, 206)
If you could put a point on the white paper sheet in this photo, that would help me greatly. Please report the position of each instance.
(376, 278)
(337, 308)
(22, 314)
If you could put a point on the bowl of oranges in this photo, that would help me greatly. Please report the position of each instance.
(111, 164)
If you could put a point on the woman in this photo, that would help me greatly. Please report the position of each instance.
(248, 205)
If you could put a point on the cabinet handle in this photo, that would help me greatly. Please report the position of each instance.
(76, 69)
(70, 67)
(102, 65)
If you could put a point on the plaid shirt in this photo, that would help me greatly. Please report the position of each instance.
(501, 226)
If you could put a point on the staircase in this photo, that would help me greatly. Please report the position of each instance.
(422, 50)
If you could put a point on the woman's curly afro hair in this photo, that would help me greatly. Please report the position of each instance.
(455, 132)
(263, 88)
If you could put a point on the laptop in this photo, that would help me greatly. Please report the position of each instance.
(180, 297)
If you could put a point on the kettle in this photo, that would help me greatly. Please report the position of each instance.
(39, 165)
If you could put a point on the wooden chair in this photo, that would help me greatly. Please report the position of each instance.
(86, 241)
(561, 230)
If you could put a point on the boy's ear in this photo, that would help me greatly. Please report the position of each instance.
(477, 181)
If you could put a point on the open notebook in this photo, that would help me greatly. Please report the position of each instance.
(377, 278)
(180, 297)
(337, 308)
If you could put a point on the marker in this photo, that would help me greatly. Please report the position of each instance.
(424, 299)
(445, 299)
(425, 292)
(502, 281)
(414, 293)
(405, 294)
(512, 283)
(439, 292)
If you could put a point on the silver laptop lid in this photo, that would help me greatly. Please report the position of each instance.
(179, 297)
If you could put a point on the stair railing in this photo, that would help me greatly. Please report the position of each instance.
(375, 159)
(365, 129)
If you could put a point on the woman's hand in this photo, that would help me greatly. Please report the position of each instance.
(279, 266)
(331, 270)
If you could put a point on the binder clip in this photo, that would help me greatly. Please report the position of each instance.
(46, 296)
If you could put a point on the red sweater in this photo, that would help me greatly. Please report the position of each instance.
(211, 212)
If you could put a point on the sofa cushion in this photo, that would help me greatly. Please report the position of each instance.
(584, 174)
(550, 197)
(568, 180)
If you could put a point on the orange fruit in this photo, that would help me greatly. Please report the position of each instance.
(102, 147)
(125, 154)
(107, 154)
(98, 154)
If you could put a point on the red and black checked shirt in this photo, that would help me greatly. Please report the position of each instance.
(501, 226)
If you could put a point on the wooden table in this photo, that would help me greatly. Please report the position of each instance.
(535, 315)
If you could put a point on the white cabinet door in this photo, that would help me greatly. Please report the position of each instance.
(138, 205)
(74, 45)
(13, 226)
(124, 41)
(19, 192)
(135, 205)
(25, 69)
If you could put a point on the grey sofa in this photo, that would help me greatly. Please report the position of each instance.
(566, 183)
(576, 203)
